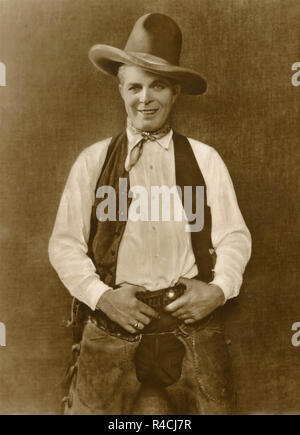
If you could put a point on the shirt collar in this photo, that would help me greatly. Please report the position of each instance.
(133, 139)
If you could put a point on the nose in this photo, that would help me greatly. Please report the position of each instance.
(145, 96)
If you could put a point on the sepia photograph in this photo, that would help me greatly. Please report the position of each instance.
(149, 209)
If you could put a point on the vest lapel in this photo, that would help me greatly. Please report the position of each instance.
(188, 173)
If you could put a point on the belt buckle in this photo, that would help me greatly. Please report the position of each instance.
(160, 298)
(173, 293)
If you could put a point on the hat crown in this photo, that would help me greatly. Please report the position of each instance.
(157, 35)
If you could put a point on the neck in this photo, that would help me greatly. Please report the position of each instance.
(163, 130)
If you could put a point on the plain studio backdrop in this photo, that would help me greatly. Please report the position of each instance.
(55, 104)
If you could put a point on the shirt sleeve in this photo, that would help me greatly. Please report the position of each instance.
(231, 238)
(68, 243)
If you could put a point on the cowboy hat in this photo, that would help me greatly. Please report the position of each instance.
(154, 44)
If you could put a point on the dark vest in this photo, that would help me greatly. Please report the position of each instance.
(105, 236)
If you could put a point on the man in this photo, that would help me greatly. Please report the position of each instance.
(147, 329)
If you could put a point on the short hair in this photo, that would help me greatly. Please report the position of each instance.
(120, 73)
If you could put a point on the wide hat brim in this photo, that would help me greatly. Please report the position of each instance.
(108, 59)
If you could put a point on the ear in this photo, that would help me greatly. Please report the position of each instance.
(121, 90)
(176, 91)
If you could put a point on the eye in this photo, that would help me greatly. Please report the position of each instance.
(159, 86)
(134, 88)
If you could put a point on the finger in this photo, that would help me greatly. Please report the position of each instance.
(140, 317)
(143, 308)
(173, 306)
(139, 326)
(136, 324)
(125, 323)
(138, 289)
(129, 328)
(181, 311)
(189, 321)
(183, 316)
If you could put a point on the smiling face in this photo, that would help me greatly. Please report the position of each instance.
(148, 97)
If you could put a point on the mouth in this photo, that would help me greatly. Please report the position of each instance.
(148, 111)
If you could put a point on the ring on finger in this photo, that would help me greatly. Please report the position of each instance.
(138, 325)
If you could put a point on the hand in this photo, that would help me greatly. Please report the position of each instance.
(198, 301)
(122, 306)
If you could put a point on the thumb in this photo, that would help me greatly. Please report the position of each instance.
(138, 289)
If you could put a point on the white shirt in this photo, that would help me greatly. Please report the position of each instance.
(151, 254)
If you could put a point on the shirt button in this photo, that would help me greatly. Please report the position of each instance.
(154, 228)
(151, 167)
(112, 252)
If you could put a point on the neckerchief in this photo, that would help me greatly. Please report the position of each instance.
(135, 153)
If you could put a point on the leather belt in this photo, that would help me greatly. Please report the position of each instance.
(156, 299)
(159, 299)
